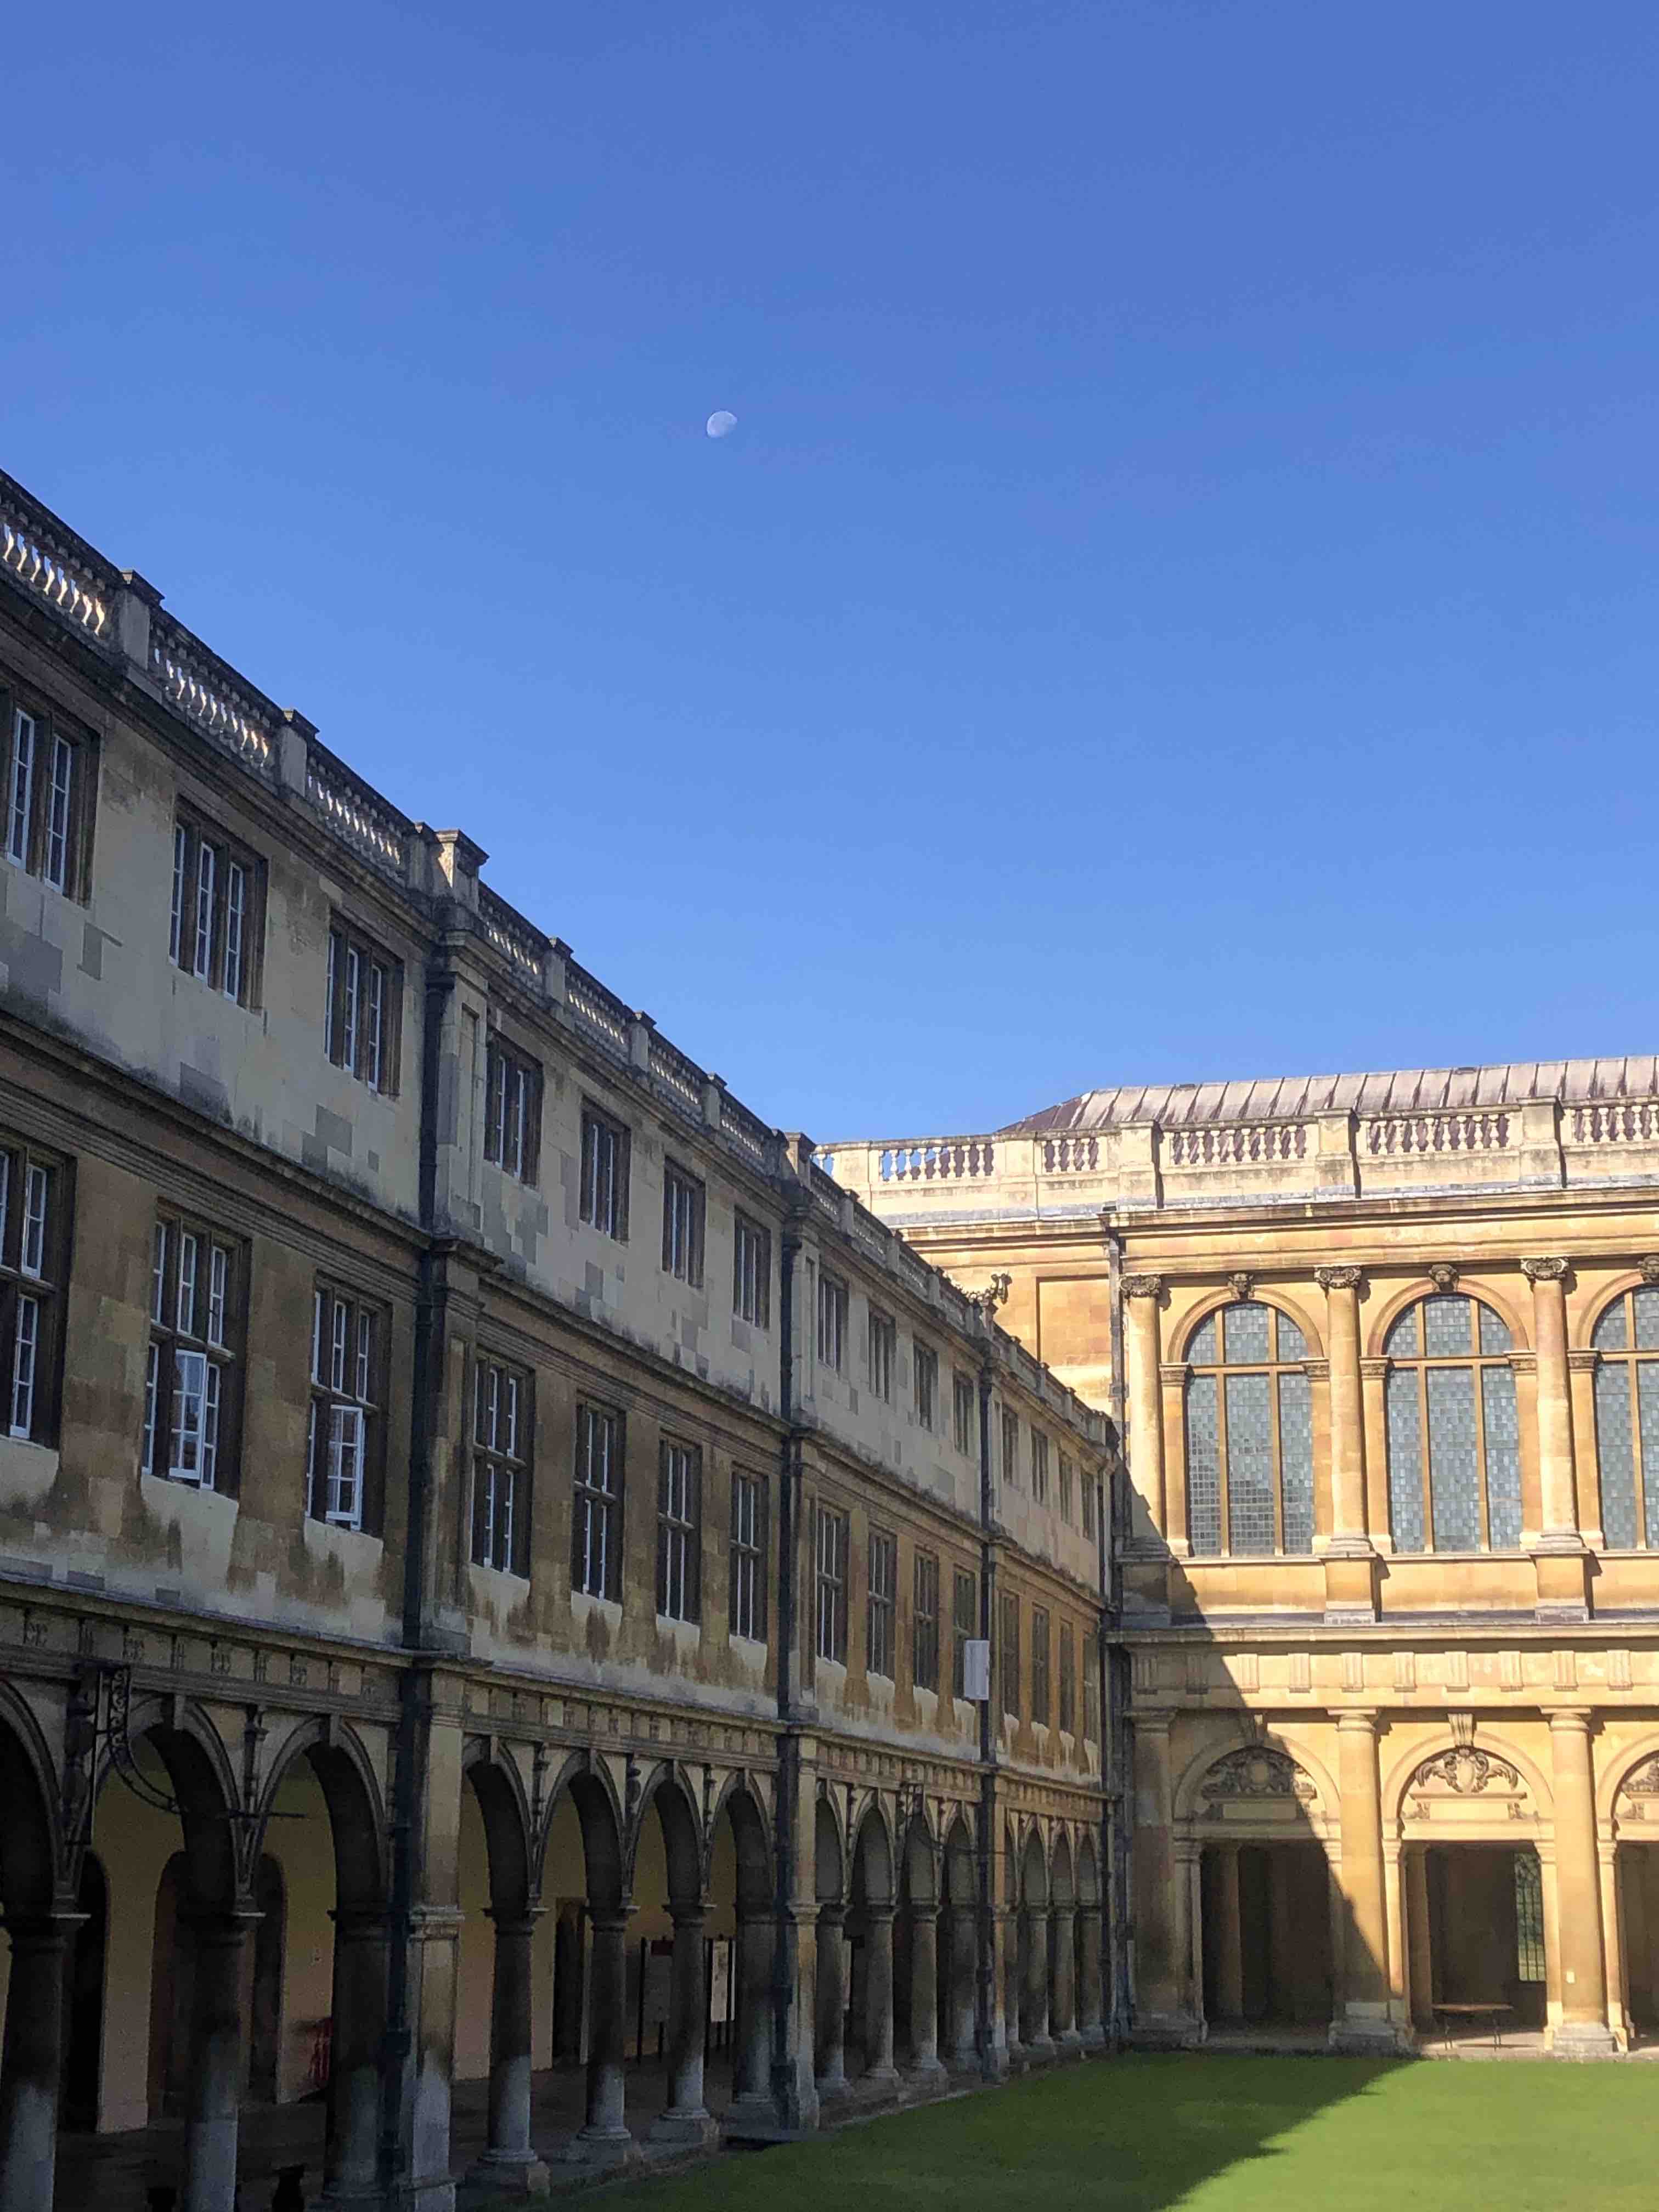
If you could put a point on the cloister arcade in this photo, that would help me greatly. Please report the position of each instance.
(214, 1937)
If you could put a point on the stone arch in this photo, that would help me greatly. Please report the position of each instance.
(202, 1785)
(829, 1855)
(1515, 1317)
(873, 1857)
(1034, 1872)
(1218, 1301)
(1271, 1784)
(29, 1834)
(1619, 1802)
(1060, 1883)
(497, 1787)
(957, 1860)
(918, 1863)
(665, 1793)
(587, 1784)
(345, 1774)
(1485, 1784)
(1088, 1871)
(751, 1835)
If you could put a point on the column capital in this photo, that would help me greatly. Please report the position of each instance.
(1143, 1287)
(1583, 1359)
(1373, 1369)
(1571, 1719)
(1544, 1271)
(1339, 1278)
(1358, 1719)
(1316, 1371)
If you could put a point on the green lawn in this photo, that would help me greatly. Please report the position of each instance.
(1223, 2134)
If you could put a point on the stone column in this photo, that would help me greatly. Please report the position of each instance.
(218, 2061)
(1062, 1976)
(687, 2118)
(1561, 1559)
(1228, 1936)
(509, 2162)
(31, 2060)
(351, 2136)
(831, 2003)
(1583, 2029)
(1362, 2021)
(878, 2065)
(1035, 2006)
(1141, 1294)
(962, 1957)
(1420, 1946)
(1394, 1891)
(751, 2061)
(1350, 1555)
(605, 2139)
(1160, 1917)
(1091, 2019)
(924, 1991)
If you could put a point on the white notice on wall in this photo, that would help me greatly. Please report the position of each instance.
(976, 1669)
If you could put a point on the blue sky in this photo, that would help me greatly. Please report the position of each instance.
(1179, 600)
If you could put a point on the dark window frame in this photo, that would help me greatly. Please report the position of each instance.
(1008, 1653)
(926, 1361)
(513, 1110)
(195, 1267)
(1011, 1447)
(341, 1353)
(964, 1624)
(881, 1605)
(752, 1271)
(36, 1242)
(502, 1443)
(965, 1397)
(679, 1531)
(882, 1353)
(746, 1577)
(1041, 1707)
(831, 1539)
(684, 1217)
(1067, 1679)
(598, 1493)
(834, 1304)
(362, 1009)
(50, 842)
(212, 935)
(924, 1621)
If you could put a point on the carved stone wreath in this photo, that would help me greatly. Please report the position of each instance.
(1258, 1770)
(1466, 1772)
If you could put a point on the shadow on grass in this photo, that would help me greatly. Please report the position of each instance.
(1213, 2133)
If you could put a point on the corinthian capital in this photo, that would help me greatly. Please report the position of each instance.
(1339, 1278)
(1143, 1287)
(1543, 1271)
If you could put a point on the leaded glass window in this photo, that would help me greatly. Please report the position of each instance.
(1627, 1418)
(1249, 1434)
(1454, 1429)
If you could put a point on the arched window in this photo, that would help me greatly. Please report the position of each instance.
(1249, 1434)
(1627, 1418)
(1453, 1431)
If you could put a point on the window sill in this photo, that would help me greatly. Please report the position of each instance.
(27, 1470)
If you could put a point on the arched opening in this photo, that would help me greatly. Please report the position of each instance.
(582, 1880)
(915, 1957)
(1265, 1896)
(33, 2046)
(958, 1950)
(870, 1927)
(1091, 2020)
(829, 2027)
(495, 2016)
(1033, 1951)
(740, 1913)
(668, 1961)
(84, 2024)
(1062, 1946)
(1473, 1896)
(1635, 1866)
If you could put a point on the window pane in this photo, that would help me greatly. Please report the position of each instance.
(1402, 1341)
(1453, 1475)
(1502, 1425)
(1296, 1460)
(1244, 1333)
(22, 787)
(1202, 1350)
(1611, 1332)
(1615, 1449)
(1448, 1327)
(1203, 1467)
(1406, 1458)
(1494, 1332)
(1292, 1345)
(1249, 1463)
(1647, 1399)
(1646, 1302)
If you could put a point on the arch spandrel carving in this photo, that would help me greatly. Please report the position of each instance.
(1637, 1803)
(1256, 1782)
(1465, 1787)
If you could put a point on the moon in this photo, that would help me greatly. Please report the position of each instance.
(720, 423)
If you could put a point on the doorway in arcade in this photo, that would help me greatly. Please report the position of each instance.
(1266, 1932)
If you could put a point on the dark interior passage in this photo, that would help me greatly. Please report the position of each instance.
(1266, 1934)
(1485, 1907)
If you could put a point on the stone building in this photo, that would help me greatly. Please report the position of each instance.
(497, 1545)
(1387, 1351)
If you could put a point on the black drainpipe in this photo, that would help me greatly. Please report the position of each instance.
(409, 1768)
(987, 1977)
(789, 1469)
